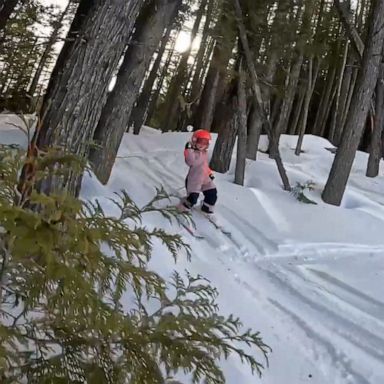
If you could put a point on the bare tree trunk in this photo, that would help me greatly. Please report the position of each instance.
(362, 9)
(367, 79)
(242, 128)
(353, 34)
(275, 154)
(343, 100)
(198, 73)
(308, 97)
(139, 112)
(348, 100)
(345, 17)
(272, 61)
(321, 116)
(276, 108)
(286, 108)
(150, 25)
(6, 9)
(215, 80)
(196, 81)
(270, 72)
(336, 113)
(178, 82)
(255, 125)
(5, 75)
(294, 127)
(273, 56)
(22, 78)
(208, 100)
(79, 93)
(305, 36)
(160, 81)
(75, 32)
(48, 49)
(327, 111)
(226, 123)
(375, 147)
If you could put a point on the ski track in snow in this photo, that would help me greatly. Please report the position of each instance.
(356, 334)
(313, 301)
(341, 361)
(277, 217)
(348, 294)
(327, 309)
(307, 313)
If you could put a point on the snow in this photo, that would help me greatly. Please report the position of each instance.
(308, 277)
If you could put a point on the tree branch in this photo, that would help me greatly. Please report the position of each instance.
(255, 84)
(352, 33)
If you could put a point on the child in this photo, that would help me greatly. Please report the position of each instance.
(200, 177)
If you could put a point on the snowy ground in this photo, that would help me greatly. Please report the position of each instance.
(309, 277)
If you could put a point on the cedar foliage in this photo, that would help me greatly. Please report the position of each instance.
(79, 303)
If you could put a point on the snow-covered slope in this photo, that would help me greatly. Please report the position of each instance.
(309, 277)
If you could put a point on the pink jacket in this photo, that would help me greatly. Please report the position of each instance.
(198, 178)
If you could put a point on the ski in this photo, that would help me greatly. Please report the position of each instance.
(212, 221)
(216, 225)
(192, 232)
(187, 225)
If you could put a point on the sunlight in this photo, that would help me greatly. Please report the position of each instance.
(60, 3)
(183, 42)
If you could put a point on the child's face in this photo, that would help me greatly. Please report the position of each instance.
(202, 144)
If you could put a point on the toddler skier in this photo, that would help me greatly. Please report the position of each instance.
(200, 176)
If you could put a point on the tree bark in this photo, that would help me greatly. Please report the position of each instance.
(48, 49)
(362, 9)
(160, 81)
(332, 130)
(255, 125)
(286, 108)
(84, 10)
(226, 124)
(367, 79)
(294, 126)
(154, 18)
(375, 147)
(6, 9)
(178, 82)
(197, 78)
(352, 33)
(321, 116)
(275, 154)
(139, 112)
(208, 100)
(305, 37)
(307, 100)
(242, 129)
(274, 54)
(350, 83)
(328, 111)
(24, 75)
(79, 93)
(215, 80)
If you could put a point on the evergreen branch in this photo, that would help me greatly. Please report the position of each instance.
(68, 271)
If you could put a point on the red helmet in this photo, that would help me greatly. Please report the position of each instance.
(201, 134)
